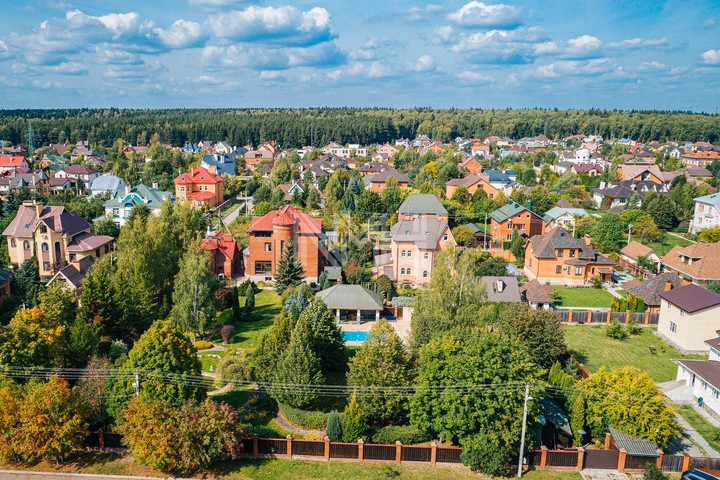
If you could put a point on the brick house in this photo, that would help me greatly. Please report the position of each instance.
(471, 165)
(377, 182)
(557, 258)
(630, 254)
(507, 218)
(688, 316)
(201, 187)
(226, 254)
(54, 235)
(268, 235)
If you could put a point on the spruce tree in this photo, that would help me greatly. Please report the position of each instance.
(323, 280)
(334, 429)
(353, 421)
(249, 299)
(289, 271)
(327, 339)
(298, 366)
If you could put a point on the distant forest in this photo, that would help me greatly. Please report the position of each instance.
(298, 127)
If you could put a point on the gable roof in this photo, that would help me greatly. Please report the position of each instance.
(85, 242)
(635, 446)
(422, 204)
(712, 199)
(424, 232)
(705, 264)
(78, 170)
(535, 292)
(57, 219)
(636, 250)
(544, 246)
(708, 370)
(691, 298)
(74, 274)
(197, 175)
(107, 182)
(509, 210)
(222, 242)
(388, 172)
(287, 215)
(11, 160)
(649, 291)
(556, 212)
(508, 291)
(351, 297)
(140, 195)
(631, 171)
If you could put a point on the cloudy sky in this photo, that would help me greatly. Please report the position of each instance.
(394, 53)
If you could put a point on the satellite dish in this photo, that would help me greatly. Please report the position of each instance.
(582, 432)
(542, 420)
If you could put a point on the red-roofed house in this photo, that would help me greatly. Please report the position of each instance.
(268, 235)
(226, 254)
(9, 163)
(472, 165)
(201, 187)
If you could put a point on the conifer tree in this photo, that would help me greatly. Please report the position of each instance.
(298, 366)
(353, 421)
(334, 429)
(327, 339)
(289, 271)
(273, 345)
(249, 299)
(577, 418)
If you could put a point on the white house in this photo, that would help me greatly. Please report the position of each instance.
(707, 212)
(78, 172)
(689, 315)
(703, 377)
(119, 207)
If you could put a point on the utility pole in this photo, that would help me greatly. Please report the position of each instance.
(524, 427)
(136, 384)
(630, 225)
(485, 236)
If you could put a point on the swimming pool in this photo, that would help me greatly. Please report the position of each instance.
(355, 336)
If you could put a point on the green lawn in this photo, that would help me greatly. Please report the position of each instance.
(207, 362)
(582, 297)
(594, 349)
(705, 429)
(667, 243)
(247, 334)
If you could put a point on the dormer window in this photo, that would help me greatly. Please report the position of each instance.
(43, 229)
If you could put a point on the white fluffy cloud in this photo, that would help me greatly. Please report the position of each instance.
(711, 57)
(425, 63)
(638, 43)
(474, 78)
(582, 47)
(182, 34)
(482, 15)
(284, 25)
(500, 46)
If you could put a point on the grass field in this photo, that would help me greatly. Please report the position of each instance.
(594, 349)
(247, 334)
(667, 243)
(704, 428)
(582, 297)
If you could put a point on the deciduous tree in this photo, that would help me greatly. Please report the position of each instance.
(192, 297)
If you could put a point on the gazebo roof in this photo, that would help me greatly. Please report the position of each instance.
(351, 297)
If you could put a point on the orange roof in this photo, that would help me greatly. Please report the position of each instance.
(222, 242)
(702, 155)
(287, 215)
(705, 260)
(636, 250)
(11, 160)
(197, 175)
(201, 195)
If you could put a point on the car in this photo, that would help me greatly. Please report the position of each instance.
(695, 474)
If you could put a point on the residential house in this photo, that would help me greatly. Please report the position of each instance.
(35, 181)
(649, 290)
(224, 164)
(698, 263)
(557, 258)
(502, 289)
(707, 213)
(471, 165)
(120, 206)
(506, 219)
(372, 168)
(422, 205)
(641, 172)
(53, 162)
(107, 184)
(590, 169)
(54, 235)
(226, 255)
(377, 182)
(269, 234)
(700, 158)
(703, 378)
(201, 187)
(352, 303)
(564, 216)
(222, 148)
(472, 182)
(9, 163)
(5, 278)
(627, 192)
(352, 150)
(295, 188)
(689, 315)
(72, 275)
(387, 149)
(537, 295)
(81, 173)
(630, 254)
(253, 158)
(61, 185)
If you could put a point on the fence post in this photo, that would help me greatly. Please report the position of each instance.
(621, 460)
(607, 320)
(581, 458)
(627, 317)
(608, 440)
(398, 451)
(361, 448)
(660, 459)
(289, 446)
(647, 316)
(543, 457)
(256, 447)
(570, 316)
(433, 453)
(326, 439)
(589, 317)
(101, 439)
(686, 462)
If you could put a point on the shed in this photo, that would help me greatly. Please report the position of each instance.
(350, 301)
(636, 447)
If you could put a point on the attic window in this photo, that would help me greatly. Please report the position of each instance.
(407, 232)
(562, 234)
(427, 232)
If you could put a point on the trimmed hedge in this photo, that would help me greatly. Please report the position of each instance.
(308, 419)
(406, 434)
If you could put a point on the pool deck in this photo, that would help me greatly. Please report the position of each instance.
(402, 328)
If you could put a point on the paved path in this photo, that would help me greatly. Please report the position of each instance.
(705, 450)
(235, 212)
(613, 291)
(680, 236)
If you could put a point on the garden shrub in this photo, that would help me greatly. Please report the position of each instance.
(235, 367)
(617, 331)
(203, 345)
(309, 419)
(226, 333)
(405, 434)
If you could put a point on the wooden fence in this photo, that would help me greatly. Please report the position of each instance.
(605, 316)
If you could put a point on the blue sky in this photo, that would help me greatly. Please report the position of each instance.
(232, 53)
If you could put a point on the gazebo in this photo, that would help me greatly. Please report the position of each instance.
(352, 303)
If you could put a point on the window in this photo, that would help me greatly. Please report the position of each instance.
(402, 271)
(682, 313)
(46, 265)
(26, 245)
(97, 252)
(445, 237)
(703, 384)
(560, 253)
(673, 327)
(426, 256)
(425, 274)
(45, 247)
(409, 253)
(182, 189)
(72, 257)
(107, 248)
(558, 269)
(510, 225)
(572, 253)
(578, 270)
(522, 226)
(715, 393)
(668, 305)
(528, 215)
(268, 247)
(508, 236)
(43, 229)
(116, 211)
(402, 254)
(408, 271)
(13, 243)
(263, 267)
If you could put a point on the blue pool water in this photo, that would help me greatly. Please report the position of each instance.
(355, 336)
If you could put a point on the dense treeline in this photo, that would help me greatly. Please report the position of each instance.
(297, 127)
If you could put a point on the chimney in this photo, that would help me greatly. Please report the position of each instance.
(602, 185)
(127, 189)
(155, 185)
(528, 205)
(588, 240)
(38, 209)
(212, 169)
(668, 286)
(499, 285)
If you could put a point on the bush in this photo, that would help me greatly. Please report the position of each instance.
(617, 331)
(485, 452)
(633, 328)
(226, 317)
(226, 333)
(263, 431)
(242, 288)
(309, 419)
(334, 429)
(405, 434)
(652, 472)
(117, 349)
(225, 296)
(596, 282)
(235, 367)
(203, 345)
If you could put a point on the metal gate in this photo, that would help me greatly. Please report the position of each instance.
(601, 459)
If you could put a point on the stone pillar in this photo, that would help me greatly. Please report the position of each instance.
(627, 317)
(326, 439)
(660, 459)
(398, 451)
(589, 317)
(337, 316)
(101, 439)
(570, 315)
(581, 458)
(256, 447)
(686, 462)
(543, 457)
(433, 453)
(608, 441)
(357, 319)
(647, 317)
(361, 449)
(289, 446)
(607, 320)
(621, 461)
(377, 315)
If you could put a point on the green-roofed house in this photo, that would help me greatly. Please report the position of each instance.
(507, 218)
(119, 207)
(422, 205)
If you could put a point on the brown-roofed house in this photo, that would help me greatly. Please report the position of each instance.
(630, 254)
(226, 254)
(377, 182)
(640, 172)
(649, 291)
(688, 316)
(698, 263)
(537, 295)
